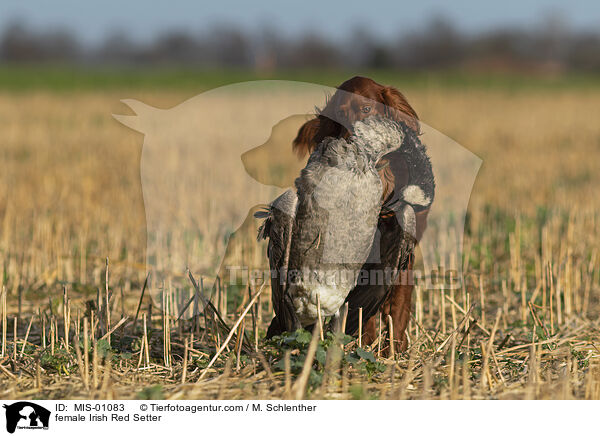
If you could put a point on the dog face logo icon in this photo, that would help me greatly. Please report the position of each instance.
(26, 415)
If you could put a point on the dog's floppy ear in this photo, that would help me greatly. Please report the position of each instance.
(305, 140)
(398, 108)
(313, 132)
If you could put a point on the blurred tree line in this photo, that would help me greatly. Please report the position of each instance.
(549, 46)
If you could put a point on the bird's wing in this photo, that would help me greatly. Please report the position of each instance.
(277, 227)
(396, 245)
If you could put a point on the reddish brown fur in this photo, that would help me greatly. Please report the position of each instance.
(341, 112)
(336, 119)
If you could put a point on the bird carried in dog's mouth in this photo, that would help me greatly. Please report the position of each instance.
(321, 234)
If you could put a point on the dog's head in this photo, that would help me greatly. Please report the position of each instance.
(354, 100)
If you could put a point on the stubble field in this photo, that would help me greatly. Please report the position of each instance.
(525, 325)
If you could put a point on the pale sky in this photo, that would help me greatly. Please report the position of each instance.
(143, 20)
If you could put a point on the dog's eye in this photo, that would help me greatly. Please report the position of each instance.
(366, 109)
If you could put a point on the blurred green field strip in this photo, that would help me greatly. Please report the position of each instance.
(64, 78)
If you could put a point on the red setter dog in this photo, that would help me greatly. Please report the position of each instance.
(355, 100)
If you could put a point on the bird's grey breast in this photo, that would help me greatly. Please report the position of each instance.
(339, 195)
(351, 202)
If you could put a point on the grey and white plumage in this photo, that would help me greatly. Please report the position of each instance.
(394, 248)
(321, 235)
